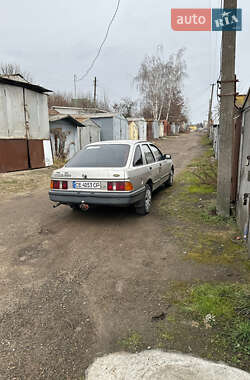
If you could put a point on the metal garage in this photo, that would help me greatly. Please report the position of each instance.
(24, 125)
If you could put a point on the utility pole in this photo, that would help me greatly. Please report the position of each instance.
(210, 110)
(75, 79)
(226, 117)
(95, 91)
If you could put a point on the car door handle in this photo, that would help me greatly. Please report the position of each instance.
(150, 168)
(160, 164)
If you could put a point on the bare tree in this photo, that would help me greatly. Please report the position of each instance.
(158, 80)
(126, 107)
(65, 99)
(14, 69)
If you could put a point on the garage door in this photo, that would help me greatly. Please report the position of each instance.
(36, 154)
(13, 155)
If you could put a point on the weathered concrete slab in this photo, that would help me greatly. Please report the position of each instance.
(158, 365)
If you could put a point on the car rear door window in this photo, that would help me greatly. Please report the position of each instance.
(103, 156)
(138, 157)
(157, 153)
(148, 154)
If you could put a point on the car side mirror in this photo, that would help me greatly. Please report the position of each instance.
(167, 156)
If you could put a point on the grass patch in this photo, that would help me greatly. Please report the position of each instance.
(201, 189)
(212, 318)
(226, 307)
(194, 225)
(133, 342)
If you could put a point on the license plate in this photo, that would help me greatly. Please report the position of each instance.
(86, 185)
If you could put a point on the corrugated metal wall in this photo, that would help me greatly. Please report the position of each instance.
(24, 126)
(12, 117)
(133, 131)
(60, 130)
(13, 155)
(244, 169)
(156, 129)
(36, 154)
(142, 124)
(124, 129)
(106, 125)
(88, 135)
(149, 129)
(37, 115)
(161, 133)
(236, 152)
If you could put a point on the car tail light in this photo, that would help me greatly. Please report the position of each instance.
(65, 185)
(128, 186)
(120, 186)
(55, 185)
(110, 186)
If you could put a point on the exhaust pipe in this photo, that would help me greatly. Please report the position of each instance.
(57, 205)
(84, 206)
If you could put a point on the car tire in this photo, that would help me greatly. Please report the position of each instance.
(170, 180)
(144, 206)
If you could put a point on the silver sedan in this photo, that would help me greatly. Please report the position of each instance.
(113, 173)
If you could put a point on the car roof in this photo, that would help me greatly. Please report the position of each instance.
(129, 142)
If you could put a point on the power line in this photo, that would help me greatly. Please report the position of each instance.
(103, 42)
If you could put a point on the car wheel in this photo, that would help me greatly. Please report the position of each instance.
(145, 204)
(170, 180)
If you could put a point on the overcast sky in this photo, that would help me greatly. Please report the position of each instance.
(53, 39)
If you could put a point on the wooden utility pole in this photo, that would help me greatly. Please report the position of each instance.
(226, 117)
(210, 109)
(95, 91)
(75, 79)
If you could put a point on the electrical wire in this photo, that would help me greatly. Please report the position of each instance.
(103, 42)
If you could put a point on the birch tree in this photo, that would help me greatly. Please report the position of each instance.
(158, 80)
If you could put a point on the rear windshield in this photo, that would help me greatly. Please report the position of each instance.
(105, 155)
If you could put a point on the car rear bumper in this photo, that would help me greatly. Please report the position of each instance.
(96, 198)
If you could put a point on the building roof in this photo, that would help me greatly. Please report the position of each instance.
(87, 113)
(86, 121)
(136, 119)
(53, 118)
(19, 81)
(130, 142)
(103, 115)
(82, 109)
(81, 121)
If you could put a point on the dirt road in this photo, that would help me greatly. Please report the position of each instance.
(73, 284)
